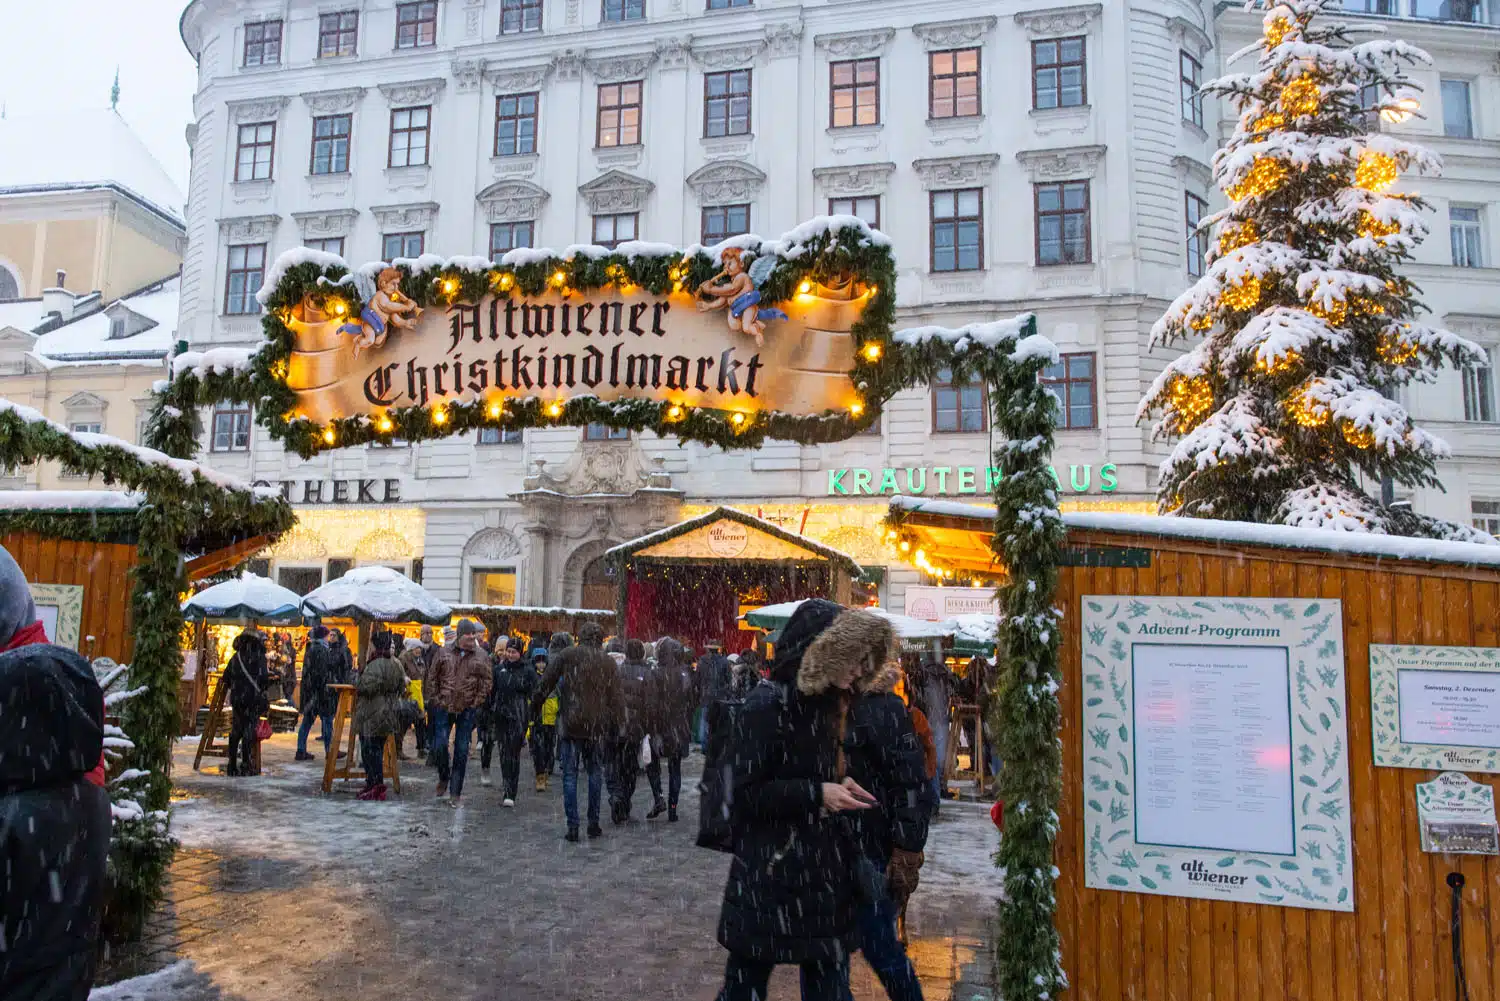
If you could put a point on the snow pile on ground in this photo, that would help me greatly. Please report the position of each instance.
(178, 982)
(378, 593)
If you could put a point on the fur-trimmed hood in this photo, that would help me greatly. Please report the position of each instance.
(857, 651)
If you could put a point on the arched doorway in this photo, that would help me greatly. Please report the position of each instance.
(598, 586)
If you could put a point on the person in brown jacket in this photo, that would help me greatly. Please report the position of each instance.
(459, 682)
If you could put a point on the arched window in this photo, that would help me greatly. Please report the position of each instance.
(10, 287)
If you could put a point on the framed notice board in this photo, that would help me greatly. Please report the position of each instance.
(1215, 749)
(1436, 707)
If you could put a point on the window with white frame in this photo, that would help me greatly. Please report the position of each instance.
(1458, 109)
(1485, 514)
(614, 229)
(1466, 235)
(1479, 390)
(394, 245)
(1467, 11)
(511, 235)
(499, 436)
(866, 207)
(1192, 82)
(517, 16)
(230, 430)
(327, 244)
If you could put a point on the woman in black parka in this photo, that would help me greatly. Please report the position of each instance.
(248, 676)
(790, 897)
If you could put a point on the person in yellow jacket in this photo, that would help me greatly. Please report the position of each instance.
(543, 728)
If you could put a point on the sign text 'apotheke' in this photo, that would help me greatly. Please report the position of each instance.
(338, 491)
(954, 480)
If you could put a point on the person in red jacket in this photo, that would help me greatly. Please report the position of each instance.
(54, 818)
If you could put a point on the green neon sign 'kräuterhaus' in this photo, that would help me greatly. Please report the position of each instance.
(954, 480)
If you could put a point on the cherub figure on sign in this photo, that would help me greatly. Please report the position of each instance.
(385, 307)
(738, 290)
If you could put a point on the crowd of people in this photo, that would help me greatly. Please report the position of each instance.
(821, 772)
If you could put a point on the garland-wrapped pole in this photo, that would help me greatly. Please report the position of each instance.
(1025, 713)
(1008, 356)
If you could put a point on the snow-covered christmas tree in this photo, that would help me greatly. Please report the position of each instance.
(1307, 326)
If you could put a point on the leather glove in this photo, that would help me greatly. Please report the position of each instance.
(901, 874)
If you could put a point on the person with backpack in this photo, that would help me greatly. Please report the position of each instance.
(377, 711)
(884, 755)
(791, 895)
(590, 712)
(248, 676)
(670, 698)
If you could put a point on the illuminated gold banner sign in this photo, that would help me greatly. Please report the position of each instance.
(699, 351)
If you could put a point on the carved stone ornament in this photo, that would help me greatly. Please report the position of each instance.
(512, 200)
(607, 469)
(855, 179)
(616, 191)
(617, 69)
(1065, 163)
(951, 171)
(491, 544)
(510, 79)
(473, 18)
(728, 57)
(784, 39)
(332, 102)
(953, 34)
(466, 74)
(568, 64)
(413, 91)
(249, 228)
(672, 53)
(1189, 168)
(725, 181)
(263, 109)
(1190, 36)
(332, 222)
(1058, 20)
(855, 44)
(412, 216)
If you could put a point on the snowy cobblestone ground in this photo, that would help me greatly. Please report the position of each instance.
(280, 892)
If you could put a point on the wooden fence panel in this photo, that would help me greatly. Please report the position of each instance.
(103, 570)
(1395, 946)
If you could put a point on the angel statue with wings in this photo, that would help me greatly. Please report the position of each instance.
(384, 307)
(738, 290)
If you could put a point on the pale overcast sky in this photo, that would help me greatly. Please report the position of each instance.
(61, 55)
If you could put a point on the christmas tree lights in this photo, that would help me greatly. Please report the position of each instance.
(1301, 315)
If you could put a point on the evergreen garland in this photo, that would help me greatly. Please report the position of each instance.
(1025, 713)
(832, 255)
(181, 505)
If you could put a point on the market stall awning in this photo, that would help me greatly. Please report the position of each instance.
(947, 534)
(727, 534)
(376, 594)
(249, 598)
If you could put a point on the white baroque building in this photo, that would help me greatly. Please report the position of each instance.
(1022, 155)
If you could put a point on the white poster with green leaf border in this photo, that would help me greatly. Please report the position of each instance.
(1436, 707)
(1215, 749)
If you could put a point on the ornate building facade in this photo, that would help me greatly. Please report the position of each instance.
(1026, 156)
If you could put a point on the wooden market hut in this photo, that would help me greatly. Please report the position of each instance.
(694, 579)
(1396, 943)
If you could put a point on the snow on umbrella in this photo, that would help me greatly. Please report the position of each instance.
(376, 594)
(974, 632)
(773, 617)
(247, 598)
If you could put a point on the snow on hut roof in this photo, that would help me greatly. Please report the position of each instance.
(731, 514)
(69, 500)
(80, 150)
(86, 340)
(1242, 532)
